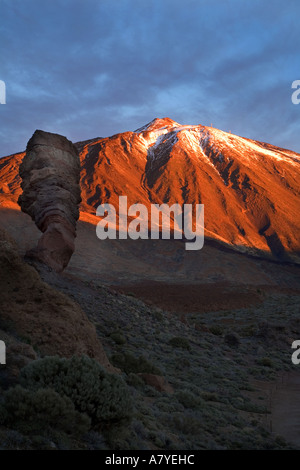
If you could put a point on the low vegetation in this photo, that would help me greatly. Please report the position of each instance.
(210, 362)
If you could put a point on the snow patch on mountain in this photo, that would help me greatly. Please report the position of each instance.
(269, 153)
(189, 137)
(213, 144)
(156, 151)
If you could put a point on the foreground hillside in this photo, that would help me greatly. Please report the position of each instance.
(215, 380)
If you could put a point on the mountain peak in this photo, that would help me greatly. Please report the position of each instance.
(157, 123)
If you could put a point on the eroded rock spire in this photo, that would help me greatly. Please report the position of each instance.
(50, 174)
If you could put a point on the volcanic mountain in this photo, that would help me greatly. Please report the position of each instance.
(250, 191)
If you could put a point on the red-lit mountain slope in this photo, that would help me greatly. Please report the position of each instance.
(250, 190)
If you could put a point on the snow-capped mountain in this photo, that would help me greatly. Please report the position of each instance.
(250, 189)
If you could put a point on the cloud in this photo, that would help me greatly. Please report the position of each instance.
(94, 68)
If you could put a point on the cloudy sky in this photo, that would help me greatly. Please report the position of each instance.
(89, 68)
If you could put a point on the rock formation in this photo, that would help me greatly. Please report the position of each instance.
(50, 174)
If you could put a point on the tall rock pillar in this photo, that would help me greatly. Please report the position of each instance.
(50, 174)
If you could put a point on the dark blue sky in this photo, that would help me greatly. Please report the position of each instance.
(88, 68)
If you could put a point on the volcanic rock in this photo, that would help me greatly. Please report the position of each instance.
(50, 173)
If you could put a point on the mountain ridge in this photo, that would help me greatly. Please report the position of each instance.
(250, 189)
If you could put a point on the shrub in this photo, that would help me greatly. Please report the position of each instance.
(249, 330)
(158, 315)
(118, 338)
(102, 396)
(33, 411)
(188, 399)
(209, 396)
(131, 364)
(251, 407)
(131, 294)
(232, 339)
(168, 406)
(186, 423)
(216, 330)
(265, 361)
(179, 342)
(134, 380)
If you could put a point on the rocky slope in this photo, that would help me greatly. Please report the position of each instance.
(36, 313)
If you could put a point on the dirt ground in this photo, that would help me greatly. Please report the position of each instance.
(285, 410)
(282, 399)
(185, 298)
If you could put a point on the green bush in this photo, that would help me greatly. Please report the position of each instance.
(179, 342)
(209, 396)
(252, 407)
(34, 411)
(248, 330)
(232, 339)
(134, 380)
(132, 364)
(186, 423)
(216, 330)
(188, 399)
(265, 361)
(118, 338)
(102, 396)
